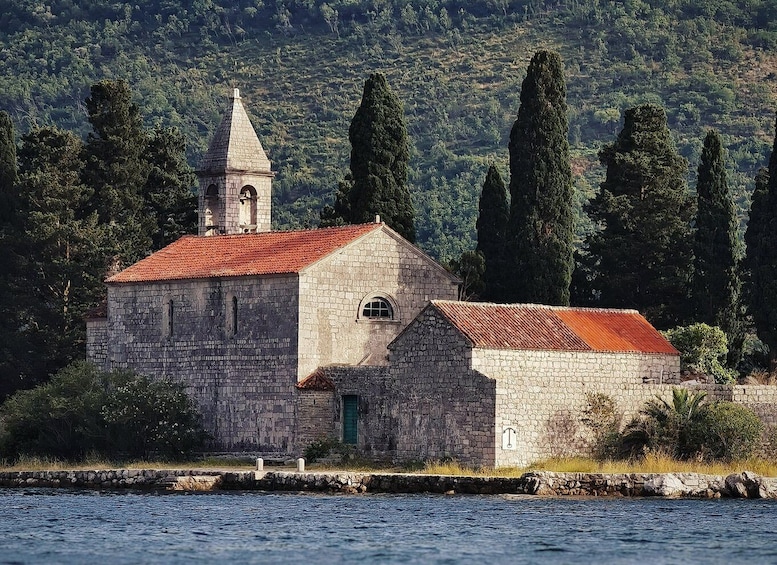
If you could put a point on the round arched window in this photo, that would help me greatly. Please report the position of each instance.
(378, 308)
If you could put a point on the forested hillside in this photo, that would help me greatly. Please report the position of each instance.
(457, 66)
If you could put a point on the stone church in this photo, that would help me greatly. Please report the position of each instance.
(353, 333)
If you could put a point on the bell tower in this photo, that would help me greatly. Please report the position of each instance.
(235, 178)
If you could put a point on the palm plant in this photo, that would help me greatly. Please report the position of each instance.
(666, 427)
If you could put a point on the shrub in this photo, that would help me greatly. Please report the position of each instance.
(665, 428)
(324, 447)
(703, 349)
(60, 418)
(82, 410)
(727, 431)
(146, 416)
(688, 428)
(601, 417)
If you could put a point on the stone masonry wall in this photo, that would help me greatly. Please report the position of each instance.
(332, 290)
(229, 187)
(315, 416)
(243, 381)
(377, 407)
(96, 342)
(541, 396)
(444, 408)
(761, 399)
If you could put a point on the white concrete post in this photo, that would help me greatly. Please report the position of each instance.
(301, 465)
(259, 464)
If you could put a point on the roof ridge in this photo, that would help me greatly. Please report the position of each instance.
(528, 305)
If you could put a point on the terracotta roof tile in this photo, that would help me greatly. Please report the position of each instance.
(197, 257)
(537, 327)
(615, 330)
(317, 380)
(501, 326)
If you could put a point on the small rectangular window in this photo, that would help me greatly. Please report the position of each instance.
(234, 315)
(170, 318)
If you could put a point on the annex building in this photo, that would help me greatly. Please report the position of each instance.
(283, 338)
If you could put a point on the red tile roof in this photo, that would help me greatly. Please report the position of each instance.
(197, 257)
(317, 380)
(536, 327)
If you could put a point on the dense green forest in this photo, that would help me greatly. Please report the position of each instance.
(457, 67)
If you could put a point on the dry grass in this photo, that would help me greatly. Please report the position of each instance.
(98, 463)
(652, 463)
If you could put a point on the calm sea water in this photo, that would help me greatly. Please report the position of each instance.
(62, 526)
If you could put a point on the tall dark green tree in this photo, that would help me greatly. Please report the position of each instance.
(716, 283)
(117, 171)
(493, 215)
(761, 258)
(379, 156)
(62, 263)
(541, 227)
(642, 255)
(12, 366)
(168, 193)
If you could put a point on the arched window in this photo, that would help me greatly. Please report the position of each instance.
(247, 212)
(377, 308)
(212, 209)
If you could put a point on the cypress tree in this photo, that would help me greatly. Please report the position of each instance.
(12, 370)
(8, 168)
(641, 258)
(63, 267)
(761, 258)
(493, 214)
(379, 157)
(541, 225)
(716, 285)
(117, 171)
(168, 193)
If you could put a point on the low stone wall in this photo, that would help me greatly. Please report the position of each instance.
(670, 485)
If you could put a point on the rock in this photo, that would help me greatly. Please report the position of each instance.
(746, 485)
(667, 485)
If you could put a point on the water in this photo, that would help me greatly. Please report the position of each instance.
(62, 526)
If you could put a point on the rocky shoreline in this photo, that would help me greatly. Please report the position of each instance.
(544, 483)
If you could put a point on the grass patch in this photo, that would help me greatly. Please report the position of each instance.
(27, 463)
(652, 463)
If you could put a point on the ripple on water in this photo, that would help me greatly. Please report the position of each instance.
(44, 525)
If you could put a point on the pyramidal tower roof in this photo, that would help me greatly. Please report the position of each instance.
(235, 145)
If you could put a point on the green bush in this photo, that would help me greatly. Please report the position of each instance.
(703, 349)
(145, 416)
(688, 428)
(60, 418)
(665, 427)
(602, 418)
(726, 431)
(322, 448)
(82, 410)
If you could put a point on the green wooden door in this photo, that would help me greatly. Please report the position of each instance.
(350, 418)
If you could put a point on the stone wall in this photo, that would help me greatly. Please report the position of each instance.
(315, 417)
(97, 342)
(444, 408)
(243, 381)
(376, 407)
(540, 396)
(332, 291)
(761, 399)
(228, 214)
